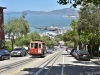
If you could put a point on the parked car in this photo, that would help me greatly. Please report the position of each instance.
(49, 51)
(83, 55)
(4, 54)
(74, 53)
(19, 52)
(73, 50)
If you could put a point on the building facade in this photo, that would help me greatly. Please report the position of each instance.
(2, 37)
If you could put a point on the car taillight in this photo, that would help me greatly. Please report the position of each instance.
(88, 54)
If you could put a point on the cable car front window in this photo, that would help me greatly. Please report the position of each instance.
(35, 45)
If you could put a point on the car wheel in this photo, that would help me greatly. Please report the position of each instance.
(25, 53)
(9, 57)
(2, 58)
(22, 55)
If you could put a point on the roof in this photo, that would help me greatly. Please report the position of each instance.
(2, 7)
(38, 41)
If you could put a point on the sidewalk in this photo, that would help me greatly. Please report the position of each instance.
(96, 61)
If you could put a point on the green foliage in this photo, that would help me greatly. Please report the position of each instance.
(75, 3)
(92, 56)
(88, 22)
(89, 26)
(72, 33)
(59, 37)
(2, 44)
(50, 42)
(69, 44)
(17, 26)
(8, 45)
(35, 35)
(21, 41)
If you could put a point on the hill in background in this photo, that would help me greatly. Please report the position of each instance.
(65, 11)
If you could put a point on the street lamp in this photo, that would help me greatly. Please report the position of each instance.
(12, 40)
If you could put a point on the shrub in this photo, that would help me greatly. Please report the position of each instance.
(9, 48)
(8, 45)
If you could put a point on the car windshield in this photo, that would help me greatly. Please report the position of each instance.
(78, 51)
(1, 51)
(84, 52)
(75, 50)
(17, 49)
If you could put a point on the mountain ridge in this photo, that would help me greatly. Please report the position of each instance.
(64, 11)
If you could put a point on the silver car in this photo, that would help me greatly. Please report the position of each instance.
(19, 52)
(49, 51)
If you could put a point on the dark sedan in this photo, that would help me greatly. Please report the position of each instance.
(4, 54)
(83, 55)
(19, 52)
(73, 50)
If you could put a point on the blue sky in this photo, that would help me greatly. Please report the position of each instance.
(34, 5)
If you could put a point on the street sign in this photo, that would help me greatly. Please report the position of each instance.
(99, 48)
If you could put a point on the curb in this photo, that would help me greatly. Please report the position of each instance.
(96, 62)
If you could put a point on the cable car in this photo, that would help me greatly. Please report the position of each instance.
(38, 48)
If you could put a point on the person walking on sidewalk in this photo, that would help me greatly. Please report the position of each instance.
(67, 49)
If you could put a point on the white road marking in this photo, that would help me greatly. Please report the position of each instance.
(62, 66)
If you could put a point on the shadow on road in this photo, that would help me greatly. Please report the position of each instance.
(69, 69)
(65, 54)
(83, 62)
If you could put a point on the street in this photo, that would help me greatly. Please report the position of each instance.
(57, 63)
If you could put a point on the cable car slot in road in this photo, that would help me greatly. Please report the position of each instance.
(46, 63)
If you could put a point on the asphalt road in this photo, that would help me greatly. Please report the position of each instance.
(57, 63)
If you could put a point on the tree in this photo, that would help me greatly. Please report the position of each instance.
(75, 3)
(2, 44)
(59, 37)
(23, 41)
(17, 26)
(72, 33)
(89, 25)
(35, 36)
(50, 42)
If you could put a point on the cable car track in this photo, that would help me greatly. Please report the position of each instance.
(13, 65)
(23, 62)
(46, 63)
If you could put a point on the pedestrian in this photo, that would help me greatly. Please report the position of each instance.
(67, 49)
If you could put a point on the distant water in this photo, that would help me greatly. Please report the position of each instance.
(42, 20)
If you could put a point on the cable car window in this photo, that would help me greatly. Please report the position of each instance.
(32, 45)
(36, 45)
(39, 45)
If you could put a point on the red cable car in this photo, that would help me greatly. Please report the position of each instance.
(38, 48)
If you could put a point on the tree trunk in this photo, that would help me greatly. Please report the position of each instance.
(80, 45)
(92, 48)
